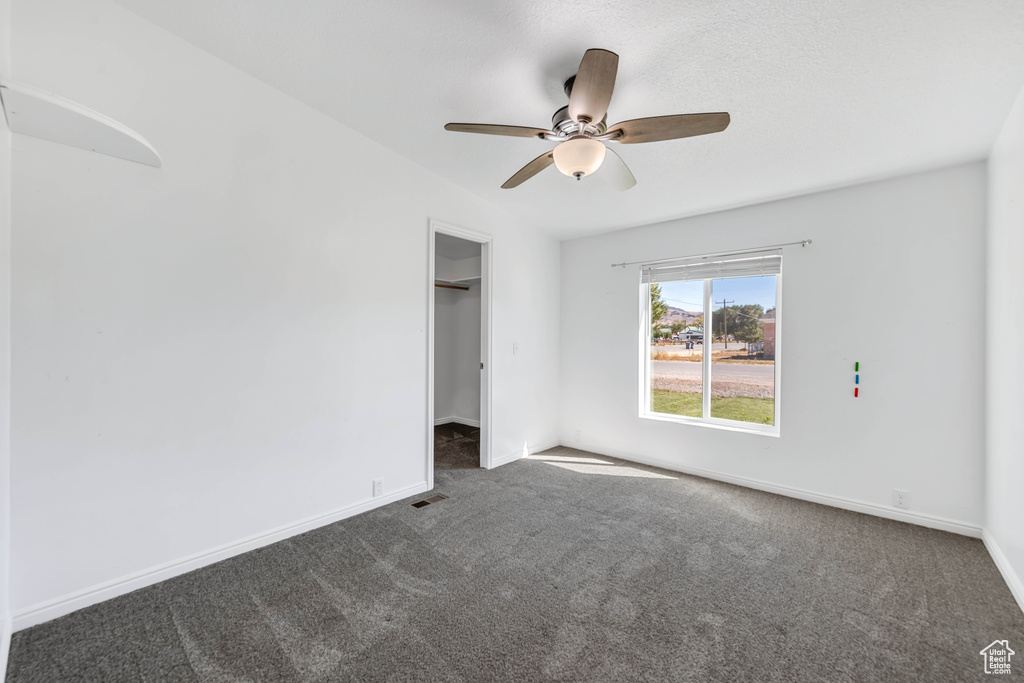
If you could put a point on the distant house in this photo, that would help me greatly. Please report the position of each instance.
(769, 334)
(690, 333)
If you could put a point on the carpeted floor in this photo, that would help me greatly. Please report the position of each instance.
(565, 566)
(456, 447)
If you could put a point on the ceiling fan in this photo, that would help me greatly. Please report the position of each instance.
(581, 129)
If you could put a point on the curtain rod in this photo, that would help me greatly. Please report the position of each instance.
(802, 243)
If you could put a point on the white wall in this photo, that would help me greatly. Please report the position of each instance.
(1004, 512)
(444, 354)
(874, 287)
(5, 349)
(197, 353)
(466, 352)
(457, 354)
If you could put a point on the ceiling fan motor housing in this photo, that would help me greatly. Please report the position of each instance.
(562, 123)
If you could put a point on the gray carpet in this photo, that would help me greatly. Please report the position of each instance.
(456, 447)
(567, 567)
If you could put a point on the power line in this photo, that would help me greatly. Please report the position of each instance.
(752, 317)
(725, 319)
(699, 305)
(677, 301)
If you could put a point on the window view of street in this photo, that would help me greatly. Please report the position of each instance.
(742, 373)
(677, 382)
(742, 349)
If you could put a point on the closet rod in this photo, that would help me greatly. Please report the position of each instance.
(465, 289)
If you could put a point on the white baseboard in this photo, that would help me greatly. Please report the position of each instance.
(458, 420)
(6, 630)
(51, 609)
(504, 460)
(530, 450)
(1003, 564)
(545, 445)
(919, 518)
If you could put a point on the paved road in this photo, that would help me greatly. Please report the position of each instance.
(735, 372)
(717, 346)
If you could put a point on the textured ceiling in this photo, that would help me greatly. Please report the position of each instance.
(821, 94)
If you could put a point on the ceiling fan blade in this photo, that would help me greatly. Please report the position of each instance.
(592, 89)
(658, 128)
(615, 172)
(530, 170)
(490, 129)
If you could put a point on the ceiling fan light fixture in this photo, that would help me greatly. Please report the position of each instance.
(579, 156)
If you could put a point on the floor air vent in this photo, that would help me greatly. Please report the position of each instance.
(433, 499)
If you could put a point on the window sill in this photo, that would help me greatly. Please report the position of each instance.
(726, 425)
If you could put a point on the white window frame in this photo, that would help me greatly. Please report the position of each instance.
(705, 421)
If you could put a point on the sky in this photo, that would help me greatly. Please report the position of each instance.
(689, 296)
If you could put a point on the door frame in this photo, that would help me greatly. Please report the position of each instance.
(434, 227)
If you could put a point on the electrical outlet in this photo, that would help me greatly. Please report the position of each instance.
(900, 498)
(378, 487)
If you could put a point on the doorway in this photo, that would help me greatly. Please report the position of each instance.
(458, 349)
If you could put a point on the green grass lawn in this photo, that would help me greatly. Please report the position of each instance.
(759, 410)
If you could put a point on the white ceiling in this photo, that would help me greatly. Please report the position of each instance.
(822, 94)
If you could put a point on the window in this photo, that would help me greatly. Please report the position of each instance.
(710, 340)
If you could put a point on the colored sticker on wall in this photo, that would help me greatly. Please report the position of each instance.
(855, 391)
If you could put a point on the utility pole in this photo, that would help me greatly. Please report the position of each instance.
(725, 319)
